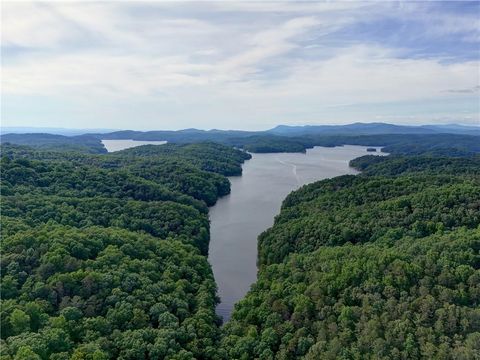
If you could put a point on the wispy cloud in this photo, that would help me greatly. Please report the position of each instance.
(215, 64)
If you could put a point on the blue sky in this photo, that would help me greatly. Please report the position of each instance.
(239, 65)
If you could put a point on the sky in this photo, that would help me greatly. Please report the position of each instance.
(238, 65)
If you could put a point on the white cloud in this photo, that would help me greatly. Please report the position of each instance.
(370, 74)
(287, 6)
(31, 25)
(91, 73)
(466, 26)
(212, 58)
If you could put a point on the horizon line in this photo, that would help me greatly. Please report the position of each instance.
(2, 128)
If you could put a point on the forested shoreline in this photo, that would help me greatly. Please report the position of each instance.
(382, 265)
(240, 180)
(410, 142)
(104, 257)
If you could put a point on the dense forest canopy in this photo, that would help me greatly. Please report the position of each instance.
(396, 165)
(383, 265)
(104, 293)
(104, 255)
(414, 298)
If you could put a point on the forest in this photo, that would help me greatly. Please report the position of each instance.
(104, 255)
(395, 139)
(382, 265)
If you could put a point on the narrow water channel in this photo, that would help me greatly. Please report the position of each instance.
(237, 219)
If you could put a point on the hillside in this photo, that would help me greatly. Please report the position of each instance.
(447, 140)
(81, 143)
(103, 256)
(383, 265)
(372, 129)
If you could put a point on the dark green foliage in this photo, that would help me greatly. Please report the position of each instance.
(399, 144)
(438, 145)
(393, 166)
(98, 289)
(271, 144)
(81, 143)
(165, 172)
(158, 218)
(22, 176)
(415, 299)
(384, 265)
(103, 256)
(367, 210)
(208, 156)
(395, 139)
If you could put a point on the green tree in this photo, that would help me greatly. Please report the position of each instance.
(20, 321)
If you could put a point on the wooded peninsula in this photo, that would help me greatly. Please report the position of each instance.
(104, 255)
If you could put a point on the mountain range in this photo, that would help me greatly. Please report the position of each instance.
(373, 129)
(358, 128)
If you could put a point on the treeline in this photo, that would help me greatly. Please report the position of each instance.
(396, 165)
(80, 143)
(409, 143)
(104, 256)
(384, 265)
(178, 172)
(451, 145)
(208, 156)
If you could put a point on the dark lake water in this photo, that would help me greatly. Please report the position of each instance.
(256, 196)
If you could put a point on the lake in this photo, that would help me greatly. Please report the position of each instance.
(238, 218)
(117, 145)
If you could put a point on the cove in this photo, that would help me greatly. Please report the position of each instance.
(237, 219)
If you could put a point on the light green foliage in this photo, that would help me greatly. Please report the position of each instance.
(103, 257)
(383, 265)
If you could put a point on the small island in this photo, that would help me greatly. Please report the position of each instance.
(370, 149)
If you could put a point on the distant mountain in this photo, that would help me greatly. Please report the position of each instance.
(50, 130)
(179, 136)
(455, 129)
(282, 138)
(183, 135)
(372, 129)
